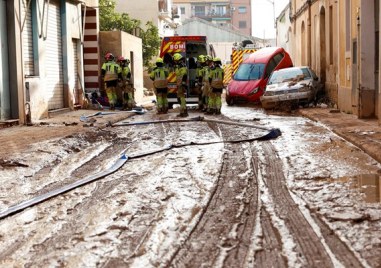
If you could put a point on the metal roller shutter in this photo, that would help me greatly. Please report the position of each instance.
(54, 72)
(5, 109)
(27, 36)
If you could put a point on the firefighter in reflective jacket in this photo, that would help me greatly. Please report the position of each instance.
(159, 77)
(126, 85)
(205, 82)
(111, 73)
(199, 78)
(216, 80)
(181, 82)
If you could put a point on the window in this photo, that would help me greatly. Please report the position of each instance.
(241, 10)
(249, 72)
(199, 10)
(270, 68)
(242, 24)
(278, 58)
(221, 10)
(182, 10)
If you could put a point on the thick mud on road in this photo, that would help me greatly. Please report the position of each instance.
(217, 198)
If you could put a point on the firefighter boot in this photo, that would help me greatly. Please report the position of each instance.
(210, 111)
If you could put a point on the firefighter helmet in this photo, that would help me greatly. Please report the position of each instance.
(177, 57)
(208, 57)
(201, 58)
(121, 59)
(159, 60)
(217, 60)
(109, 56)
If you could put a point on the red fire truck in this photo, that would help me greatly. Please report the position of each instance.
(190, 47)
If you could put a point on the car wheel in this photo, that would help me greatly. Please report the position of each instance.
(170, 105)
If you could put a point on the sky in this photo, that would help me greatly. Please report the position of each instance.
(263, 16)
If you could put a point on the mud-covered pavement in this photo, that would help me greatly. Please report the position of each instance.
(300, 200)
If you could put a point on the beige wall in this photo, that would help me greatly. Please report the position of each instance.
(315, 40)
(129, 46)
(336, 38)
(147, 10)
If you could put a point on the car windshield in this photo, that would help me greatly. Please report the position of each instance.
(284, 75)
(248, 71)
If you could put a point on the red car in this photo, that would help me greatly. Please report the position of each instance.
(249, 81)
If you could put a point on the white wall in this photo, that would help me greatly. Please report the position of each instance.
(223, 50)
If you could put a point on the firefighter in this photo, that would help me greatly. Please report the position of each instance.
(216, 80)
(205, 82)
(181, 82)
(159, 77)
(199, 77)
(126, 85)
(111, 73)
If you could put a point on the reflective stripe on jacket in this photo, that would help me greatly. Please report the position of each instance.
(216, 77)
(159, 76)
(112, 71)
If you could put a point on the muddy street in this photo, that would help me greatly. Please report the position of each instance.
(193, 194)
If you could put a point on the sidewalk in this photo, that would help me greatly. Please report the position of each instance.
(363, 133)
(59, 124)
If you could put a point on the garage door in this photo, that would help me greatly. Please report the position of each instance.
(54, 82)
(4, 72)
(27, 36)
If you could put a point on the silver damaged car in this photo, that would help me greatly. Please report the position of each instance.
(295, 85)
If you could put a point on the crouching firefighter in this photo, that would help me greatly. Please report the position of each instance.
(159, 77)
(216, 80)
(127, 88)
(181, 82)
(111, 73)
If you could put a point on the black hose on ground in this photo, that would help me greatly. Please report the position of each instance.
(272, 134)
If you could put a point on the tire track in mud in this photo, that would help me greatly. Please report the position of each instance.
(223, 234)
(309, 246)
(271, 253)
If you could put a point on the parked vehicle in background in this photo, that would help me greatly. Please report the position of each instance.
(296, 85)
(190, 47)
(240, 52)
(249, 82)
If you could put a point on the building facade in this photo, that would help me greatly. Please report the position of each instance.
(159, 12)
(241, 16)
(42, 66)
(284, 31)
(340, 41)
(231, 14)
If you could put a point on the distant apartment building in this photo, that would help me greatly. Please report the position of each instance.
(241, 16)
(159, 12)
(233, 14)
